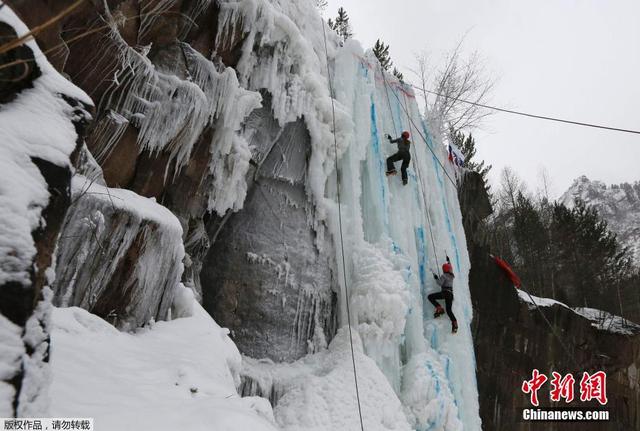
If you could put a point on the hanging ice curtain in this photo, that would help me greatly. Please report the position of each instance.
(455, 156)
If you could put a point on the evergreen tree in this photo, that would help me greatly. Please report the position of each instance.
(381, 51)
(532, 243)
(568, 254)
(467, 145)
(341, 25)
(398, 75)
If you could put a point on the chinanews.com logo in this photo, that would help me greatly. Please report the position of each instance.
(592, 387)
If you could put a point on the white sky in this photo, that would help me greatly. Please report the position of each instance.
(578, 60)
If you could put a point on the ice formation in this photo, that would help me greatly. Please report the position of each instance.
(103, 228)
(394, 236)
(414, 373)
(172, 113)
(307, 393)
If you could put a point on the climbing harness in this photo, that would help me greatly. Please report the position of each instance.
(344, 266)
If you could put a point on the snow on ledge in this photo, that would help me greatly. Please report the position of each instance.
(123, 199)
(540, 302)
(601, 320)
(608, 322)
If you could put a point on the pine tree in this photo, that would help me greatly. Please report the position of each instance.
(381, 51)
(467, 144)
(590, 262)
(532, 242)
(341, 25)
(398, 75)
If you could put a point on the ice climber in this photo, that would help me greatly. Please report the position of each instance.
(446, 283)
(404, 154)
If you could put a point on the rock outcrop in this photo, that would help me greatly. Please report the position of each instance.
(42, 126)
(167, 117)
(119, 255)
(182, 114)
(618, 204)
(512, 337)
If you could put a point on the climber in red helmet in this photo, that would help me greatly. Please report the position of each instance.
(404, 154)
(446, 283)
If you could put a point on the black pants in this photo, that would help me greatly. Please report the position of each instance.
(400, 155)
(447, 295)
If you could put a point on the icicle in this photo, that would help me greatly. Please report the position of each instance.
(106, 134)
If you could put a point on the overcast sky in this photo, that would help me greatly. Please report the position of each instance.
(578, 60)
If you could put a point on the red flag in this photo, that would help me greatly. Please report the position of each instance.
(508, 271)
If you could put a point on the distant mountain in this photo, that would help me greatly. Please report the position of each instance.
(618, 204)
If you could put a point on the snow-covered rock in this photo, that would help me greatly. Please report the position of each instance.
(618, 204)
(119, 255)
(600, 319)
(42, 119)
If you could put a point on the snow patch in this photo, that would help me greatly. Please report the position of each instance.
(180, 374)
(602, 320)
(534, 301)
(605, 321)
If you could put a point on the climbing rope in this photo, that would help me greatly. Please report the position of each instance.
(411, 122)
(344, 266)
(553, 330)
(417, 165)
(424, 200)
(423, 137)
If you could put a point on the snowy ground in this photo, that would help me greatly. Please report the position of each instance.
(177, 375)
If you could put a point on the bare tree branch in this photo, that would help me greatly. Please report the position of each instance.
(458, 79)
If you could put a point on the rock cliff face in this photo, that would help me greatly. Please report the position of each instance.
(166, 116)
(265, 277)
(618, 204)
(511, 338)
(177, 94)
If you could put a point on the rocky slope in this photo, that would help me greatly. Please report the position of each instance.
(618, 204)
(511, 338)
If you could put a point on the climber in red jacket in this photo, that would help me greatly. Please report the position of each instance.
(446, 283)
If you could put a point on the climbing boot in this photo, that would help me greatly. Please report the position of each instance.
(454, 326)
(404, 181)
(393, 172)
(439, 312)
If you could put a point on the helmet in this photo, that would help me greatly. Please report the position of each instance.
(447, 268)
(405, 135)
